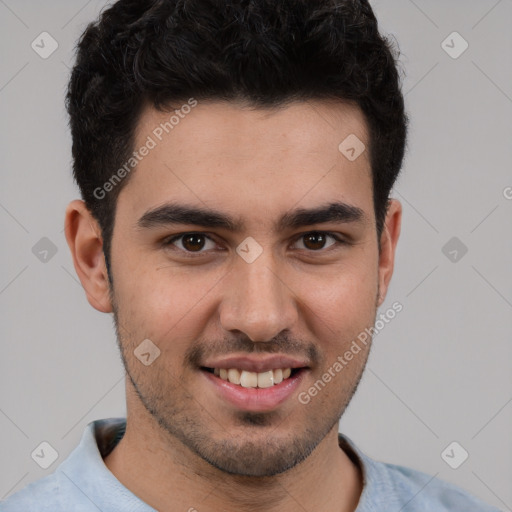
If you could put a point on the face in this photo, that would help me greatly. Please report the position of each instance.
(270, 287)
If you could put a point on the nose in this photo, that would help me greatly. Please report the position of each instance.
(257, 300)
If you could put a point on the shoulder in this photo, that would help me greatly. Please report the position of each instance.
(422, 491)
(53, 493)
(392, 486)
(82, 482)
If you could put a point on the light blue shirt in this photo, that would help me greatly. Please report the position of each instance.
(82, 483)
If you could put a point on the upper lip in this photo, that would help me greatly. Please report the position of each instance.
(256, 364)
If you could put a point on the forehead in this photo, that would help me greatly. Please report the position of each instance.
(237, 127)
(235, 157)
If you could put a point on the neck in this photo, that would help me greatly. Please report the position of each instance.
(169, 477)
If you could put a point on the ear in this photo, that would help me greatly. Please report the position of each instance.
(388, 241)
(83, 235)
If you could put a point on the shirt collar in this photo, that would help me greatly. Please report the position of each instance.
(86, 466)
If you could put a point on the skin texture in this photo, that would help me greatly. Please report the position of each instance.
(185, 446)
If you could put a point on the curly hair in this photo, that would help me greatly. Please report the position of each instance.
(264, 52)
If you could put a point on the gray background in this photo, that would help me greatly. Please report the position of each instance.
(439, 372)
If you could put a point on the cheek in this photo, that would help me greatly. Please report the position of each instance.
(343, 302)
(163, 303)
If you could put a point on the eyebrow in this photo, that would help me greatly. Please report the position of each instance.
(177, 213)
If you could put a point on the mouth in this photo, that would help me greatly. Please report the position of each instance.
(248, 379)
(262, 391)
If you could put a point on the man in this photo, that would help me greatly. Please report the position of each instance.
(235, 161)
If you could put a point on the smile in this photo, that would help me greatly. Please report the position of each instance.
(254, 391)
(248, 379)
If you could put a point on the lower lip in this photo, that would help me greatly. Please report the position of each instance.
(256, 399)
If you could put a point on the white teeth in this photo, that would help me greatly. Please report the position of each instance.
(234, 376)
(252, 379)
(278, 376)
(266, 379)
(248, 379)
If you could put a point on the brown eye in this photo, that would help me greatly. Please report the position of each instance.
(190, 242)
(193, 242)
(314, 241)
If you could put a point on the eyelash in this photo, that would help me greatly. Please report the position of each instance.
(169, 241)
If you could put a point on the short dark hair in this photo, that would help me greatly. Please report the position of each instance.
(264, 52)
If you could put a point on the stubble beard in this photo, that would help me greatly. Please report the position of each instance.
(238, 455)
